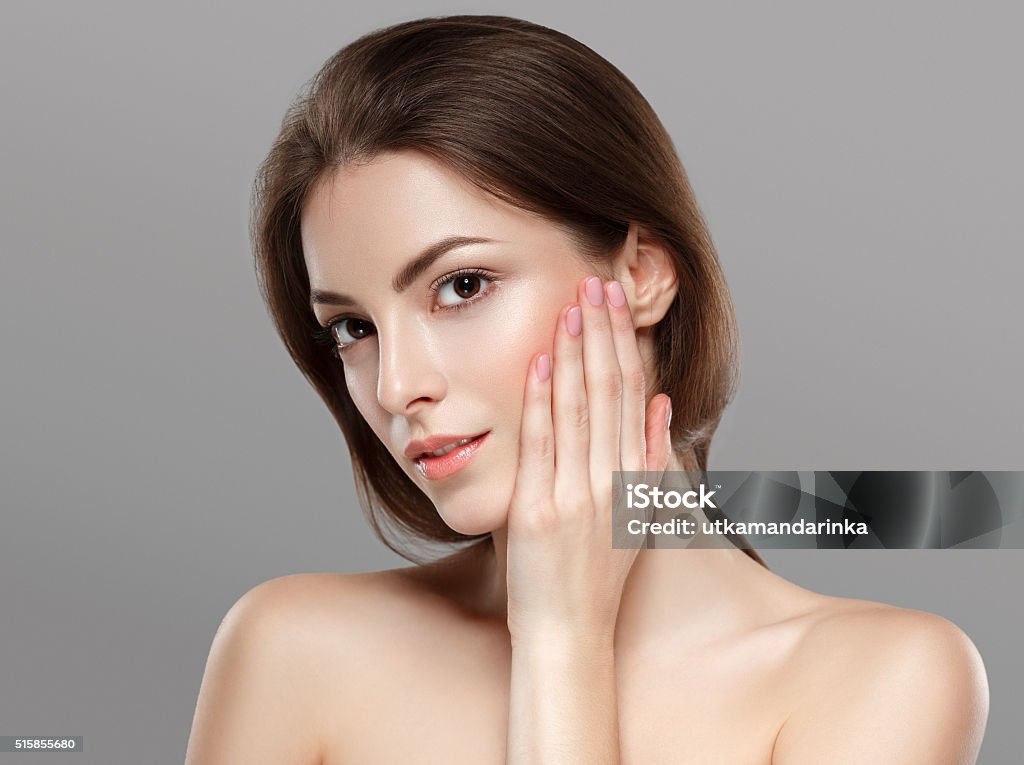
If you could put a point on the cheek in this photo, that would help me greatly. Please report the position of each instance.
(496, 376)
(361, 381)
(492, 353)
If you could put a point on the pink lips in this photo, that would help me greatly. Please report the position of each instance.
(436, 468)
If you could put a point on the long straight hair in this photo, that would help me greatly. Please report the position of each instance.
(539, 120)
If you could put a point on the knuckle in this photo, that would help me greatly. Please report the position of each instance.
(534, 520)
(579, 415)
(635, 380)
(541, 445)
(611, 384)
(580, 511)
(624, 323)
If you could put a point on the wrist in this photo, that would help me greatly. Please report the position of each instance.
(562, 640)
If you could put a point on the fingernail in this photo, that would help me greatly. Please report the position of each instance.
(594, 292)
(668, 415)
(615, 294)
(543, 367)
(574, 320)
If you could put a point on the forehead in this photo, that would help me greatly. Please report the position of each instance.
(391, 208)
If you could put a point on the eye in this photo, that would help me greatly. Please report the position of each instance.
(347, 330)
(461, 286)
(342, 332)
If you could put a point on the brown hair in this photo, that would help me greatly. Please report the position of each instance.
(542, 122)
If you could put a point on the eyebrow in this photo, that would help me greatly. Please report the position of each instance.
(409, 273)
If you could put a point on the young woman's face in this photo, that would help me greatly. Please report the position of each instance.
(447, 352)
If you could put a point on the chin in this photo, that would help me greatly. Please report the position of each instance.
(474, 517)
(477, 502)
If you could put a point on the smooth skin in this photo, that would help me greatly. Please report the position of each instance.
(542, 644)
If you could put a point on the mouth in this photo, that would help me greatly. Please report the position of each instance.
(449, 460)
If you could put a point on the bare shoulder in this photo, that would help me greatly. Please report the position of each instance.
(342, 610)
(881, 683)
(307, 604)
(338, 615)
(257, 697)
(879, 634)
(277, 658)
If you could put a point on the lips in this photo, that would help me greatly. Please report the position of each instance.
(417, 448)
(455, 458)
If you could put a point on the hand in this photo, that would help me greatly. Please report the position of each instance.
(584, 416)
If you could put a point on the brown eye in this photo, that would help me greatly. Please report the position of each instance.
(347, 331)
(460, 288)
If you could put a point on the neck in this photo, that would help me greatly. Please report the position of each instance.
(699, 592)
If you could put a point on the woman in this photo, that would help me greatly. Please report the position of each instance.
(476, 240)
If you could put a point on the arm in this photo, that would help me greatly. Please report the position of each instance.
(256, 703)
(914, 692)
(563, 702)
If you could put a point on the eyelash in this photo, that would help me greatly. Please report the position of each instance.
(325, 335)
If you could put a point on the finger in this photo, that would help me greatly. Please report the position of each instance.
(603, 386)
(659, 417)
(569, 398)
(536, 438)
(632, 436)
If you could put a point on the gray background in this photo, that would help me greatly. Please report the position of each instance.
(860, 168)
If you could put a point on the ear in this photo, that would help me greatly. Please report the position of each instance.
(646, 270)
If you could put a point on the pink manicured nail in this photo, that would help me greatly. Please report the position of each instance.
(594, 292)
(574, 320)
(668, 414)
(615, 294)
(543, 367)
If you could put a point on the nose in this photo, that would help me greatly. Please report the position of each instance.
(409, 374)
